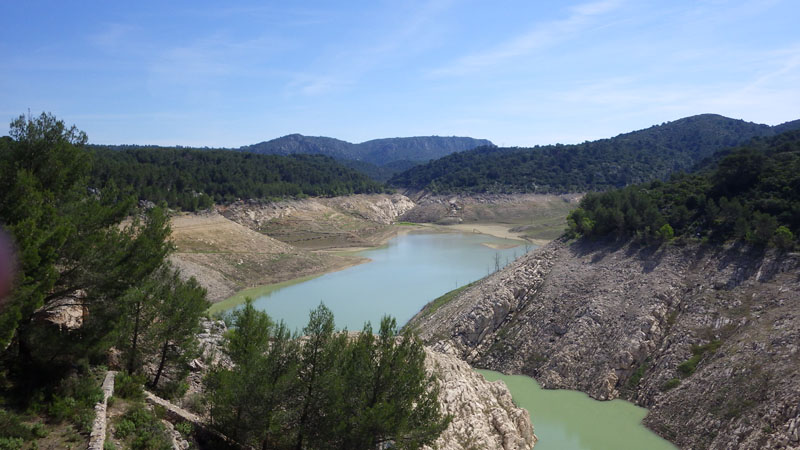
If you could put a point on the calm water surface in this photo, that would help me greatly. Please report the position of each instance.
(404, 276)
(571, 420)
(416, 268)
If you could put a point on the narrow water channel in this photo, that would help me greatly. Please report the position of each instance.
(402, 277)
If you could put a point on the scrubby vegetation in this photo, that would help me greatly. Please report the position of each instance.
(752, 193)
(689, 366)
(140, 429)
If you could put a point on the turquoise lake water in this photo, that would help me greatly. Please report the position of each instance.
(571, 420)
(402, 277)
(414, 269)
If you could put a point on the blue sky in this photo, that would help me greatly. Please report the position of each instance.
(518, 73)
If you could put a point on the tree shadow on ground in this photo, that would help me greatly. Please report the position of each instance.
(650, 255)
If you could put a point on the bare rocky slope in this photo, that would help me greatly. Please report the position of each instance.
(320, 223)
(484, 415)
(507, 208)
(705, 337)
(226, 257)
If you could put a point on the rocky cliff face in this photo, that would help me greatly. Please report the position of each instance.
(323, 223)
(707, 338)
(378, 208)
(484, 415)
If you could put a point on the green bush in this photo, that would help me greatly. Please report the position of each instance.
(151, 441)
(11, 443)
(783, 238)
(637, 375)
(83, 418)
(129, 386)
(143, 430)
(670, 384)
(185, 428)
(11, 426)
(688, 367)
(38, 430)
(194, 403)
(124, 428)
(61, 408)
(13, 432)
(665, 233)
(74, 401)
(173, 389)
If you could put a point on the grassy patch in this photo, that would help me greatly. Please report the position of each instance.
(549, 222)
(259, 291)
(437, 303)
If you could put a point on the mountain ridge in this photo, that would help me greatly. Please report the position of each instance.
(379, 152)
(628, 158)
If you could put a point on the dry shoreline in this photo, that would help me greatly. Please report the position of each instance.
(244, 247)
(495, 230)
(258, 291)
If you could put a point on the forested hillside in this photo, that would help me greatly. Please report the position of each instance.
(91, 286)
(192, 179)
(629, 158)
(752, 194)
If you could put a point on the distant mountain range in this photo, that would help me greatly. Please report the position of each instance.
(441, 164)
(379, 158)
(635, 157)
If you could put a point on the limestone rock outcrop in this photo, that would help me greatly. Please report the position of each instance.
(378, 208)
(484, 415)
(67, 313)
(707, 338)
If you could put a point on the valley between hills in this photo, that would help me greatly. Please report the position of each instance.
(673, 288)
(249, 244)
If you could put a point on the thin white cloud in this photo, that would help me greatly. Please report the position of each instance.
(785, 62)
(206, 60)
(112, 36)
(541, 36)
(344, 68)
